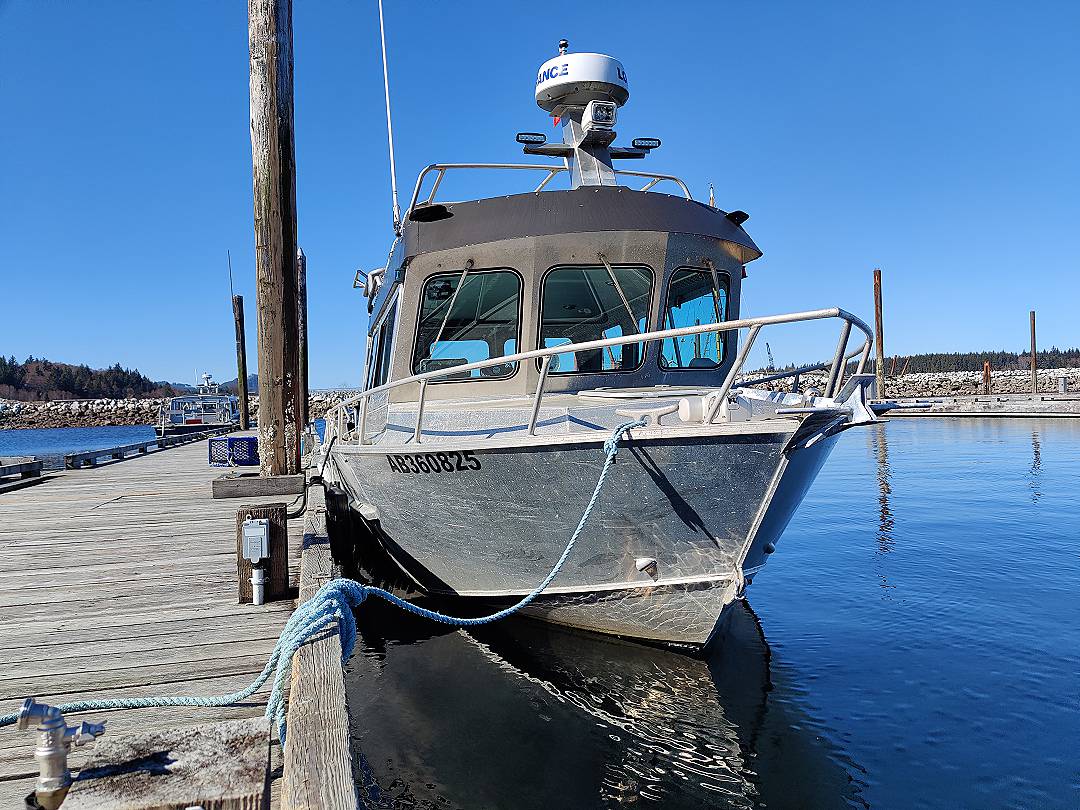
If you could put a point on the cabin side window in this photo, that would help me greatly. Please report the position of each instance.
(695, 297)
(592, 302)
(468, 317)
(381, 348)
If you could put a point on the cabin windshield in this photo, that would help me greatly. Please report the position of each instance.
(695, 297)
(467, 317)
(594, 302)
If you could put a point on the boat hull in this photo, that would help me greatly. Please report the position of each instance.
(178, 430)
(489, 523)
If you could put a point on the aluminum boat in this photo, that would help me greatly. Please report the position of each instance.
(509, 336)
(209, 407)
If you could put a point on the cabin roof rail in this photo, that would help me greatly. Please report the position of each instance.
(552, 169)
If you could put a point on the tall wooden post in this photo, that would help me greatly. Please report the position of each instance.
(274, 174)
(302, 349)
(1034, 364)
(879, 336)
(241, 360)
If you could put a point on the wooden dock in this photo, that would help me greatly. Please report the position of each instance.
(120, 581)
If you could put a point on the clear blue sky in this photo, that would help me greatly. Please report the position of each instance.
(936, 140)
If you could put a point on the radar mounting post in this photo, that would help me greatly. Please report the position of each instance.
(582, 92)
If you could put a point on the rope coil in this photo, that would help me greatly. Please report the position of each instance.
(333, 604)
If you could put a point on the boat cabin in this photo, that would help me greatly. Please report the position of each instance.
(481, 279)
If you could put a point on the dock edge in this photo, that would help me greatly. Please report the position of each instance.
(317, 771)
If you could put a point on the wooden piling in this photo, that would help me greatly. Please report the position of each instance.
(879, 336)
(1034, 363)
(241, 361)
(274, 179)
(302, 337)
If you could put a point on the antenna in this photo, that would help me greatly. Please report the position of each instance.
(228, 255)
(389, 125)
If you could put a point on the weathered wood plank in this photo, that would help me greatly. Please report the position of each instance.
(317, 762)
(123, 658)
(86, 613)
(206, 622)
(16, 689)
(215, 766)
(255, 486)
(24, 466)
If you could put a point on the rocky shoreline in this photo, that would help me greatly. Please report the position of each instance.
(958, 383)
(113, 412)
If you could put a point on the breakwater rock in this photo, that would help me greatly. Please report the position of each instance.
(965, 383)
(106, 412)
(952, 383)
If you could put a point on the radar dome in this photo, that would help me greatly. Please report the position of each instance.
(575, 79)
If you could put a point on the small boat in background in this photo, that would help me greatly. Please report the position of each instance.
(208, 407)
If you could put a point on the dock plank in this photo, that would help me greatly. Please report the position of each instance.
(120, 581)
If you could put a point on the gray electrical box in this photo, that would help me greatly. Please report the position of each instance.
(256, 539)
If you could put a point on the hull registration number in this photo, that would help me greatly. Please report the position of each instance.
(451, 462)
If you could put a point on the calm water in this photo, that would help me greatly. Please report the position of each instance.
(51, 444)
(916, 644)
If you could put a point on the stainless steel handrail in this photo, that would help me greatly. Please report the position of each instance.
(337, 417)
(655, 178)
(552, 171)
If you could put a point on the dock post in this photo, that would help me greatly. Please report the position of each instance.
(1034, 363)
(277, 565)
(274, 180)
(241, 361)
(987, 387)
(302, 334)
(879, 337)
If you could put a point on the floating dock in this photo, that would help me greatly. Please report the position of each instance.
(989, 405)
(121, 581)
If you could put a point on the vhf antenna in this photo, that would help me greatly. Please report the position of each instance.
(228, 256)
(389, 125)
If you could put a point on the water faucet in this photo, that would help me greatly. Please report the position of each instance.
(55, 740)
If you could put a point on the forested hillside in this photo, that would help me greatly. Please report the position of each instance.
(37, 379)
(939, 362)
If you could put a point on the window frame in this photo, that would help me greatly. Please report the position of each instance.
(599, 265)
(393, 305)
(416, 325)
(664, 311)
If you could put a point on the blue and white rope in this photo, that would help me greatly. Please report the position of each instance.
(332, 604)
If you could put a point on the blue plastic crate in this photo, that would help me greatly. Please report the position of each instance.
(234, 451)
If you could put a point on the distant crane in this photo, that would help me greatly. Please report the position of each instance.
(772, 363)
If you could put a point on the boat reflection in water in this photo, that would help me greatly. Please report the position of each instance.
(525, 714)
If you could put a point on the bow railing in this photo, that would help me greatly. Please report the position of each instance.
(348, 420)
